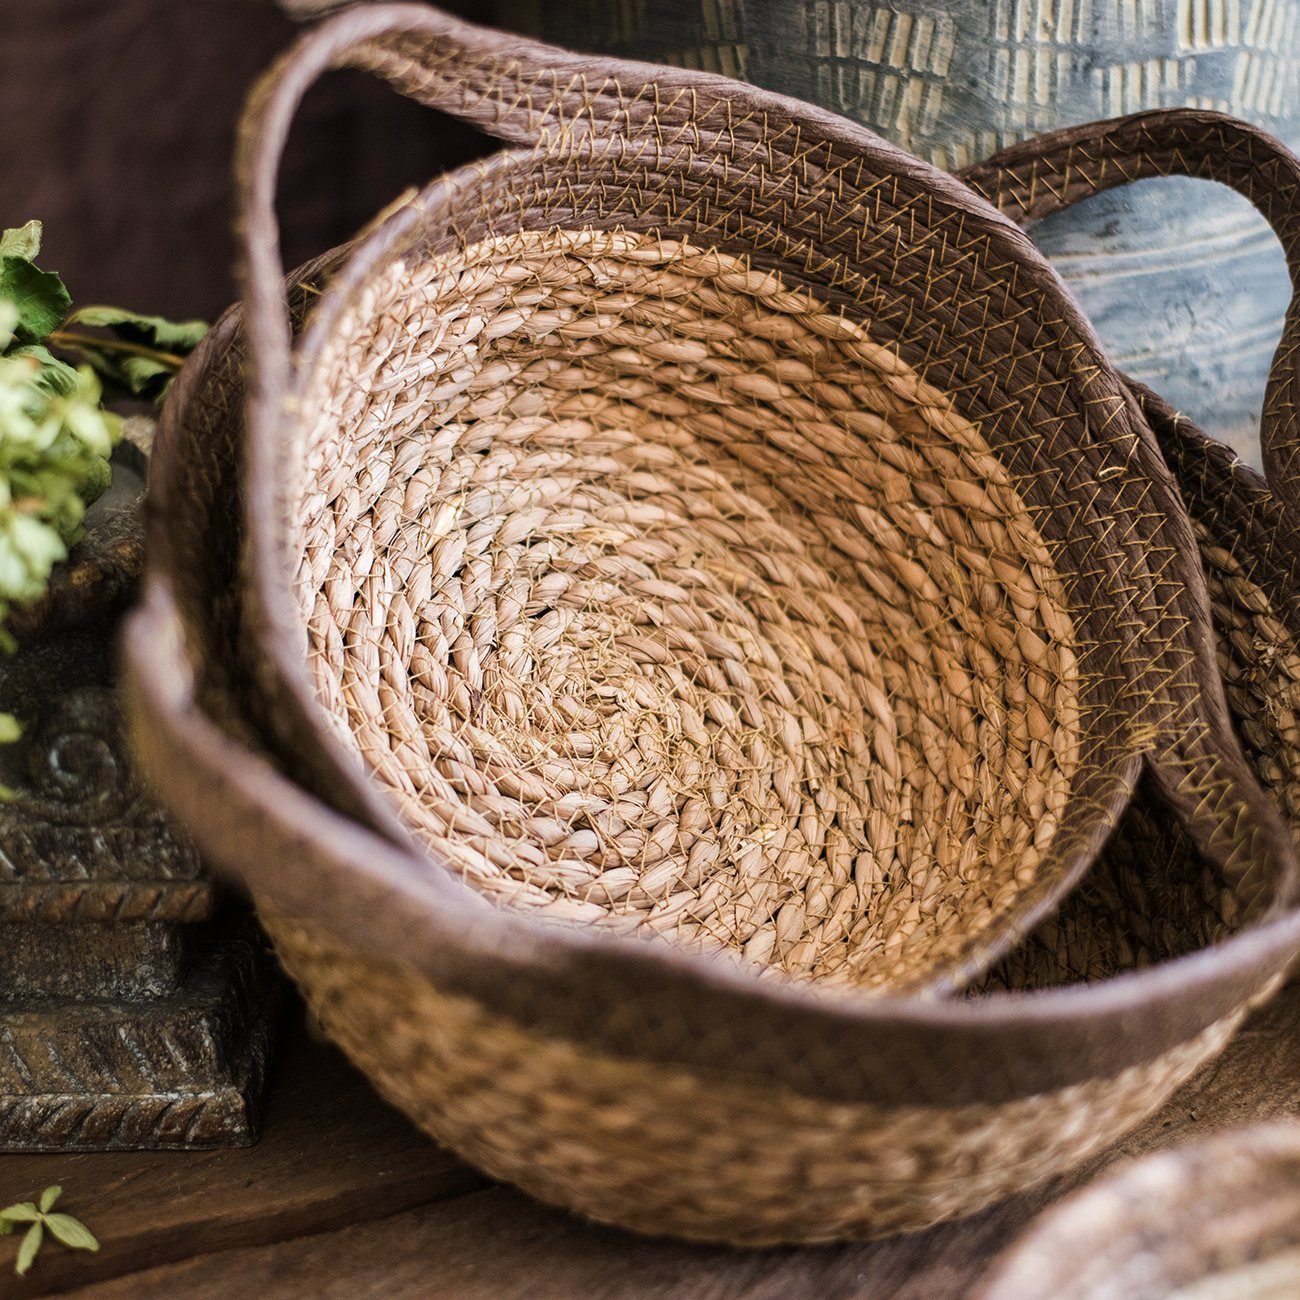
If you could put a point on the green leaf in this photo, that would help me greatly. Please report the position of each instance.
(71, 1232)
(139, 355)
(179, 338)
(146, 377)
(49, 1196)
(35, 543)
(23, 1212)
(27, 1251)
(40, 297)
(8, 323)
(49, 374)
(21, 241)
(10, 730)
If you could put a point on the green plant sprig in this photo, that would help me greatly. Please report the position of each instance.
(55, 435)
(40, 1219)
(72, 340)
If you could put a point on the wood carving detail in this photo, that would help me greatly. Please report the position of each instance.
(123, 1024)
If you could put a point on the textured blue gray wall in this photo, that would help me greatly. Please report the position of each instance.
(1183, 281)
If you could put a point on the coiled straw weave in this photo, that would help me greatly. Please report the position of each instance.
(1218, 1220)
(600, 613)
(699, 523)
(1152, 897)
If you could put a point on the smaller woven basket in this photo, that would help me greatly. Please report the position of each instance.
(694, 591)
(1218, 1220)
(663, 554)
(1151, 895)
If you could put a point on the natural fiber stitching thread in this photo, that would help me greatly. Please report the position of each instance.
(1149, 898)
(1260, 663)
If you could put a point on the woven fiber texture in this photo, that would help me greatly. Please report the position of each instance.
(699, 522)
(1152, 897)
(600, 611)
(1216, 1220)
(632, 1146)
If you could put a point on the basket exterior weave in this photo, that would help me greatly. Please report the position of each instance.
(1151, 896)
(1214, 1220)
(670, 1150)
(944, 1106)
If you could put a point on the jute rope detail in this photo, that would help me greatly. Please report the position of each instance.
(1260, 663)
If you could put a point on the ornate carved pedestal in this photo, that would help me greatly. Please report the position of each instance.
(135, 1010)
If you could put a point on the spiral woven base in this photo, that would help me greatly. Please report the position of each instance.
(667, 598)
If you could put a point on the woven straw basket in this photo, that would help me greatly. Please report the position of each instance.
(702, 588)
(1151, 896)
(1219, 1220)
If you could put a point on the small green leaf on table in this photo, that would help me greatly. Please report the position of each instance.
(62, 1227)
(31, 1244)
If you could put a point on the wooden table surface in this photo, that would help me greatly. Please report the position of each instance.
(343, 1198)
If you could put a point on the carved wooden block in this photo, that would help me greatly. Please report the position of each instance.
(135, 1010)
(123, 1072)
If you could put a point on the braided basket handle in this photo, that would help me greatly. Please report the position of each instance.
(1047, 174)
(481, 76)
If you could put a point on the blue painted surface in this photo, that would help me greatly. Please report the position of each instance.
(1186, 285)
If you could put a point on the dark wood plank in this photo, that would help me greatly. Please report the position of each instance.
(331, 1154)
(496, 1243)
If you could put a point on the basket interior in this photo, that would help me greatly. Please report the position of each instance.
(657, 594)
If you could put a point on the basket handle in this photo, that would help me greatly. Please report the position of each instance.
(1047, 174)
(511, 87)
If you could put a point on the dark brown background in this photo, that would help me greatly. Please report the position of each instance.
(117, 122)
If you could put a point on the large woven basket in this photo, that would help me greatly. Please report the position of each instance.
(755, 524)
(1218, 1220)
